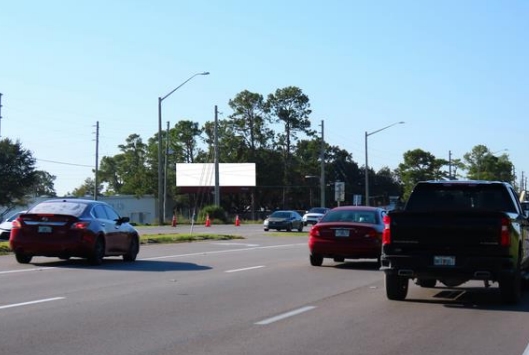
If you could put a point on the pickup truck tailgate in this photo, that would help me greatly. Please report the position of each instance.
(445, 229)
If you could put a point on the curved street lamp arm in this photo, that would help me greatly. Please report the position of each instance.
(378, 130)
(179, 86)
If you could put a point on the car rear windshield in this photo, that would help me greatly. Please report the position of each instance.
(460, 197)
(280, 215)
(350, 216)
(65, 208)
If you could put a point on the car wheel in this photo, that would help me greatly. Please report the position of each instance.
(396, 287)
(429, 283)
(266, 229)
(23, 258)
(300, 228)
(316, 260)
(289, 228)
(134, 248)
(98, 253)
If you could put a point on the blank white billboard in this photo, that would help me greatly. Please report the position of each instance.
(198, 174)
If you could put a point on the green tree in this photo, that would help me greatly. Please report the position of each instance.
(419, 165)
(87, 189)
(128, 172)
(291, 108)
(44, 185)
(482, 164)
(249, 121)
(18, 173)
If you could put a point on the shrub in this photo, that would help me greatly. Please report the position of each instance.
(214, 212)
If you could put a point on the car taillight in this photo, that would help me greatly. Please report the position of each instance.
(314, 231)
(80, 225)
(16, 224)
(386, 233)
(505, 237)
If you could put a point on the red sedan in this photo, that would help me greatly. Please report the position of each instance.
(67, 228)
(347, 232)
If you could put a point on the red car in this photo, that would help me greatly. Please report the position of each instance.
(347, 232)
(67, 228)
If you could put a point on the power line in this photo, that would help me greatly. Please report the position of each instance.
(63, 163)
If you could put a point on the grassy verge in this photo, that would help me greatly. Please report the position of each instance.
(158, 239)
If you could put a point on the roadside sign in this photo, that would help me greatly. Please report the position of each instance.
(339, 191)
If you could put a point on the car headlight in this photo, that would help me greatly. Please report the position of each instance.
(265, 222)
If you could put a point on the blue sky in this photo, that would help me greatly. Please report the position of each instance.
(455, 71)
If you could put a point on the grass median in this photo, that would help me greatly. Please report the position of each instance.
(147, 239)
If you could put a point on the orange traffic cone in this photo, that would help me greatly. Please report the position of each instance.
(237, 221)
(173, 221)
(208, 222)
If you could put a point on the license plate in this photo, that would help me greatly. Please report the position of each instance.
(341, 232)
(44, 229)
(444, 260)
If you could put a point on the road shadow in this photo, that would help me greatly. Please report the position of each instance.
(474, 298)
(357, 265)
(115, 264)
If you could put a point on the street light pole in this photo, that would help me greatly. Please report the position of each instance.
(366, 173)
(322, 168)
(160, 165)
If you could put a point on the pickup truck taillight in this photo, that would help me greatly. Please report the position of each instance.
(505, 238)
(386, 233)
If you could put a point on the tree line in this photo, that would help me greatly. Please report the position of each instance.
(276, 133)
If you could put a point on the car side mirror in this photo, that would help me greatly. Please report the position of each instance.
(123, 220)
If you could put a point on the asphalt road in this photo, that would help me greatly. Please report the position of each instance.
(253, 296)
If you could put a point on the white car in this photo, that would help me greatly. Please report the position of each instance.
(5, 226)
(313, 215)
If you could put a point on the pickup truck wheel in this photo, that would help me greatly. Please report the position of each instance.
(396, 287)
(511, 288)
(316, 260)
(426, 282)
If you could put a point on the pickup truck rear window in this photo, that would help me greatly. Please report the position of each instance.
(460, 197)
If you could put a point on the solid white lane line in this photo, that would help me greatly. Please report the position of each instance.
(285, 315)
(32, 302)
(222, 251)
(26, 270)
(246, 268)
(526, 352)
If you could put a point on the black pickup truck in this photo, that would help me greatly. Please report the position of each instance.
(453, 232)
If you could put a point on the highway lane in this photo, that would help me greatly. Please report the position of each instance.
(253, 296)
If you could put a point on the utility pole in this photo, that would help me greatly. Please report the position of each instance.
(450, 165)
(165, 170)
(97, 161)
(216, 159)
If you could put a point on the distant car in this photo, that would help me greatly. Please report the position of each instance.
(525, 207)
(347, 232)
(67, 228)
(287, 220)
(5, 226)
(313, 215)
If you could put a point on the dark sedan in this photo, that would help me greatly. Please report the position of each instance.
(347, 232)
(287, 220)
(67, 228)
